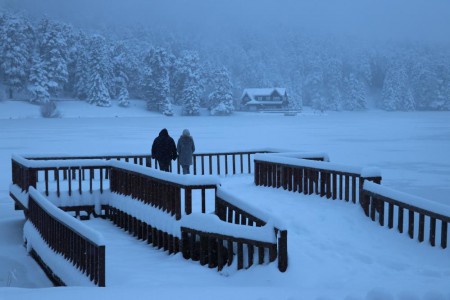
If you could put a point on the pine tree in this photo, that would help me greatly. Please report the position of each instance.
(124, 97)
(295, 87)
(81, 70)
(425, 83)
(444, 88)
(221, 99)
(155, 80)
(191, 97)
(100, 76)
(52, 47)
(355, 93)
(186, 68)
(98, 93)
(332, 83)
(38, 82)
(120, 70)
(397, 93)
(72, 38)
(315, 91)
(17, 36)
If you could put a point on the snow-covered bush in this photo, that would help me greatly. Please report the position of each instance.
(48, 110)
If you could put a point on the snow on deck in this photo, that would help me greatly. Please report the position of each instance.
(329, 242)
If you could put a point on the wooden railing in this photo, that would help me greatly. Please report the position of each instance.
(135, 181)
(231, 212)
(216, 250)
(311, 177)
(63, 238)
(388, 206)
(219, 163)
(143, 231)
(223, 163)
(48, 177)
(162, 194)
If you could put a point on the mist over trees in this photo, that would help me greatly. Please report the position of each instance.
(48, 59)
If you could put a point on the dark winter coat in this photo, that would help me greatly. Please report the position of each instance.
(163, 148)
(185, 147)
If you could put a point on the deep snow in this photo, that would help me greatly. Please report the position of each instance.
(335, 252)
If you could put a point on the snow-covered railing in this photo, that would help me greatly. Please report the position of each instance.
(211, 241)
(147, 188)
(67, 237)
(160, 189)
(231, 209)
(32, 173)
(376, 199)
(307, 176)
(225, 163)
(166, 237)
(217, 163)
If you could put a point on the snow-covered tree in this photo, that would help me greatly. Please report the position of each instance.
(425, 81)
(123, 97)
(397, 92)
(17, 37)
(332, 83)
(355, 96)
(121, 69)
(38, 82)
(295, 88)
(314, 90)
(81, 68)
(98, 92)
(444, 88)
(221, 98)
(53, 51)
(186, 71)
(100, 72)
(191, 97)
(74, 47)
(155, 80)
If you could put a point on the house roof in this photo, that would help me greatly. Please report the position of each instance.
(253, 92)
(255, 102)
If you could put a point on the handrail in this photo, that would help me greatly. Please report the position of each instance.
(161, 193)
(376, 199)
(216, 249)
(159, 190)
(217, 163)
(25, 174)
(233, 210)
(76, 242)
(313, 177)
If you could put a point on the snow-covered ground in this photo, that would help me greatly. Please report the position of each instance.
(334, 251)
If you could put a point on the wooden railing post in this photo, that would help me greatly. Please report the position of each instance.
(32, 178)
(188, 200)
(282, 251)
(256, 175)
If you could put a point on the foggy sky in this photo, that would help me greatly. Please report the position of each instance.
(418, 20)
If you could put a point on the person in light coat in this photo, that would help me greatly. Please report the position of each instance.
(185, 148)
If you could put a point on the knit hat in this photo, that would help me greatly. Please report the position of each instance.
(186, 132)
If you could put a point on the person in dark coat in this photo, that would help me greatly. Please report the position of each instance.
(185, 148)
(164, 150)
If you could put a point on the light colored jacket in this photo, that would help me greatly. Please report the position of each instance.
(185, 148)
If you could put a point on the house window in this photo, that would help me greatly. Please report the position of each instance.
(277, 98)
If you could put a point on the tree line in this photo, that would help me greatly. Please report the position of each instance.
(48, 59)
